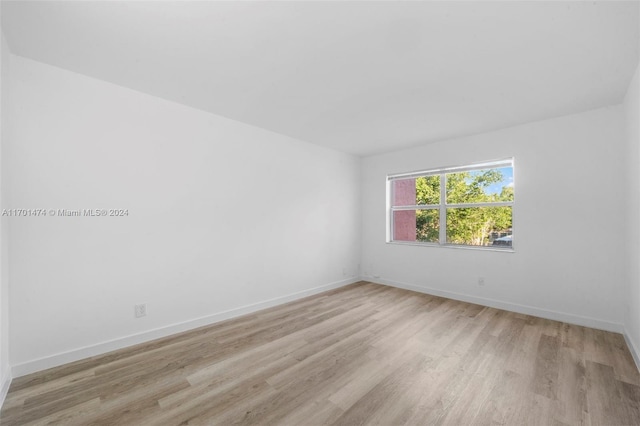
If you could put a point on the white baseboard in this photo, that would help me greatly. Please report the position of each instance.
(112, 345)
(507, 306)
(4, 388)
(633, 348)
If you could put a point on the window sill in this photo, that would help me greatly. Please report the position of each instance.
(453, 246)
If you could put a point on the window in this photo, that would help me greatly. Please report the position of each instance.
(453, 206)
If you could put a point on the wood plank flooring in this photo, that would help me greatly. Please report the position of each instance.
(361, 354)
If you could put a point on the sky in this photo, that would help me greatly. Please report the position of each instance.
(496, 188)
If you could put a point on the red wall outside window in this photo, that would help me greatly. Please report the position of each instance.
(404, 223)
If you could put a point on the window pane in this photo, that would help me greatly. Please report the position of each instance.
(423, 190)
(416, 225)
(428, 225)
(479, 226)
(428, 190)
(480, 186)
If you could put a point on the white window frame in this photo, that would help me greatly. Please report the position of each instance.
(443, 205)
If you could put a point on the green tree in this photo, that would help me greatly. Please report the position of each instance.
(428, 190)
(428, 221)
(506, 194)
(465, 225)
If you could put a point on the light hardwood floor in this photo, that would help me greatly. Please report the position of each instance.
(362, 354)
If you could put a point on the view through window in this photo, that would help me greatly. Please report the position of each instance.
(465, 206)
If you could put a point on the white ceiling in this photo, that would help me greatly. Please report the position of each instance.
(361, 77)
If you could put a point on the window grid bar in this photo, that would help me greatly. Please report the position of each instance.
(416, 207)
(452, 206)
(443, 210)
(468, 205)
(390, 201)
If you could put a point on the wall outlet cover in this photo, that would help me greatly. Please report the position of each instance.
(141, 310)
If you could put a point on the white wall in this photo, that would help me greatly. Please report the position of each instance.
(222, 216)
(569, 232)
(632, 308)
(5, 372)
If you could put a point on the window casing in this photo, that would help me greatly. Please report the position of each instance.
(469, 206)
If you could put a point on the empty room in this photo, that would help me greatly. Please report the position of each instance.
(320, 212)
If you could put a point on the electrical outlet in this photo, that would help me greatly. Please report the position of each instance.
(480, 281)
(141, 310)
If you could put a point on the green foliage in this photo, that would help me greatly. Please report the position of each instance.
(428, 225)
(428, 221)
(507, 193)
(465, 225)
(474, 225)
(428, 190)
